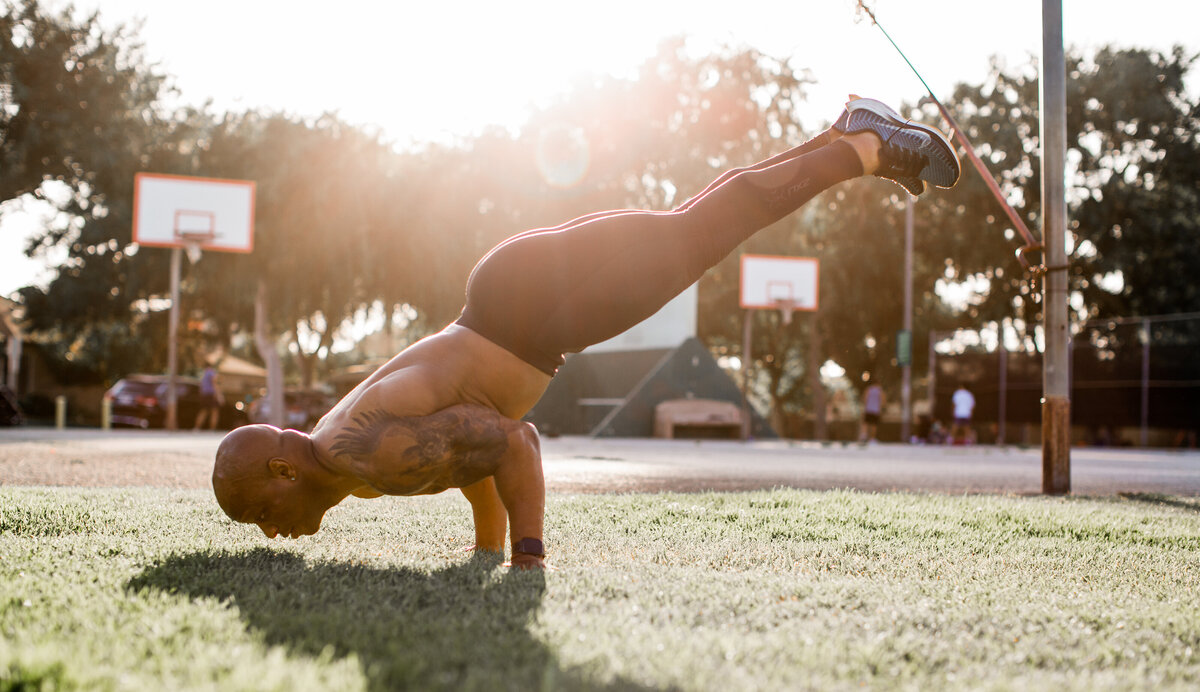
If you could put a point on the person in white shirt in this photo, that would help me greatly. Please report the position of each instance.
(964, 406)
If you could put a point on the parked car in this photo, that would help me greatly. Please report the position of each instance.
(302, 408)
(140, 401)
(10, 410)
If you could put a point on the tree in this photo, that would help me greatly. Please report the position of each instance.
(322, 226)
(79, 114)
(1133, 203)
(1136, 136)
(1133, 200)
(73, 99)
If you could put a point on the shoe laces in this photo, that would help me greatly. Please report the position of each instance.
(896, 160)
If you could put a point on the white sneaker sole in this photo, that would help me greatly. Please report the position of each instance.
(943, 168)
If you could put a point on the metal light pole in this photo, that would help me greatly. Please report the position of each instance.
(931, 382)
(1056, 381)
(820, 428)
(906, 369)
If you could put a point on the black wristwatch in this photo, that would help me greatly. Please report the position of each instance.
(529, 546)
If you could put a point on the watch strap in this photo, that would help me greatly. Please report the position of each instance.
(529, 546)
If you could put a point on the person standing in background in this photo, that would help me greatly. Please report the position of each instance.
(210, 399)
(872, 410)
(964, 406)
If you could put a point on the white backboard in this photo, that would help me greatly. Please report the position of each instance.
(673, 324)
(170, 210)
(768, 279)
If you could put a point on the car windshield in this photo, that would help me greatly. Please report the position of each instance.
(135, 388)
(181, 389)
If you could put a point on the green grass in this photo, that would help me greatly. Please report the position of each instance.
(155, 589)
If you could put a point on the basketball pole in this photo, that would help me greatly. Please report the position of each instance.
(1056, 384)
(820, 423)
(172, 421)
(746, 346)
(181, 212)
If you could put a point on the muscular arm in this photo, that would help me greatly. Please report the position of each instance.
(462, 446)
(522, 489)
(412, 455)
(491, 519)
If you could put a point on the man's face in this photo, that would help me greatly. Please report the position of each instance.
(280, 508)
(257, 483)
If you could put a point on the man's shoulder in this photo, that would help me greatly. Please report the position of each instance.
(407, 391)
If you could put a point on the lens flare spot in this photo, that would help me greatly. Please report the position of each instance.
(563, 155)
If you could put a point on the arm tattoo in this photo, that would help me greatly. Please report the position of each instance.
(367, 430)
(434, 438)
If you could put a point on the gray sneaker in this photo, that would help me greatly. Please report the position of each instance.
(911, 154)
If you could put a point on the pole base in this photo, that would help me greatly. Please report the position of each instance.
(1056, 445)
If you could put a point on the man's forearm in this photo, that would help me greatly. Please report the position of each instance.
(491, 519)
(522, 487)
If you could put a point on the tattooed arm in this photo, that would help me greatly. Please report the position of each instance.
(466, 446)
(412, 455)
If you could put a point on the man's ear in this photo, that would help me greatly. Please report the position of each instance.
(282, 468)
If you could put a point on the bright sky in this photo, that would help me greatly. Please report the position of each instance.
(432, 70)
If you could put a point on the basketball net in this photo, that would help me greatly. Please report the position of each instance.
(193, 243)
(785, 307)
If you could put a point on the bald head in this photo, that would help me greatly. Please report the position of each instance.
(271, 477)
(243, 466)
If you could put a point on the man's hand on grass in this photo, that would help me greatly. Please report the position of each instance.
(527, 561)
(486, 556)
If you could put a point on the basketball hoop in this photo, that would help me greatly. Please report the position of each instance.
(194, 229)
(786, 307)
(193, 243)
(190, 214)
(787, 284)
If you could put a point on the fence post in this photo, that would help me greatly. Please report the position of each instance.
(747, 430)
(1145, 383)
(931, 380)
(1002, 425)
(105, 413)
(60, 412)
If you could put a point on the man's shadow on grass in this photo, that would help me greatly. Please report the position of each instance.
(1192, 504)
(463, 627)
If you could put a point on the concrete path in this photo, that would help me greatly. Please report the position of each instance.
(677, 465)
(43, 456)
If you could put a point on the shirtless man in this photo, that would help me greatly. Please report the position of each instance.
(446, 412)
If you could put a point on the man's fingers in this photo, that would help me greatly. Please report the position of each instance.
(523, 561)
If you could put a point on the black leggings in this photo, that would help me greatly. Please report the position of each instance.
(551, 291)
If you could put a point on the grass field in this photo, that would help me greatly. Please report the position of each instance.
(155, 589)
